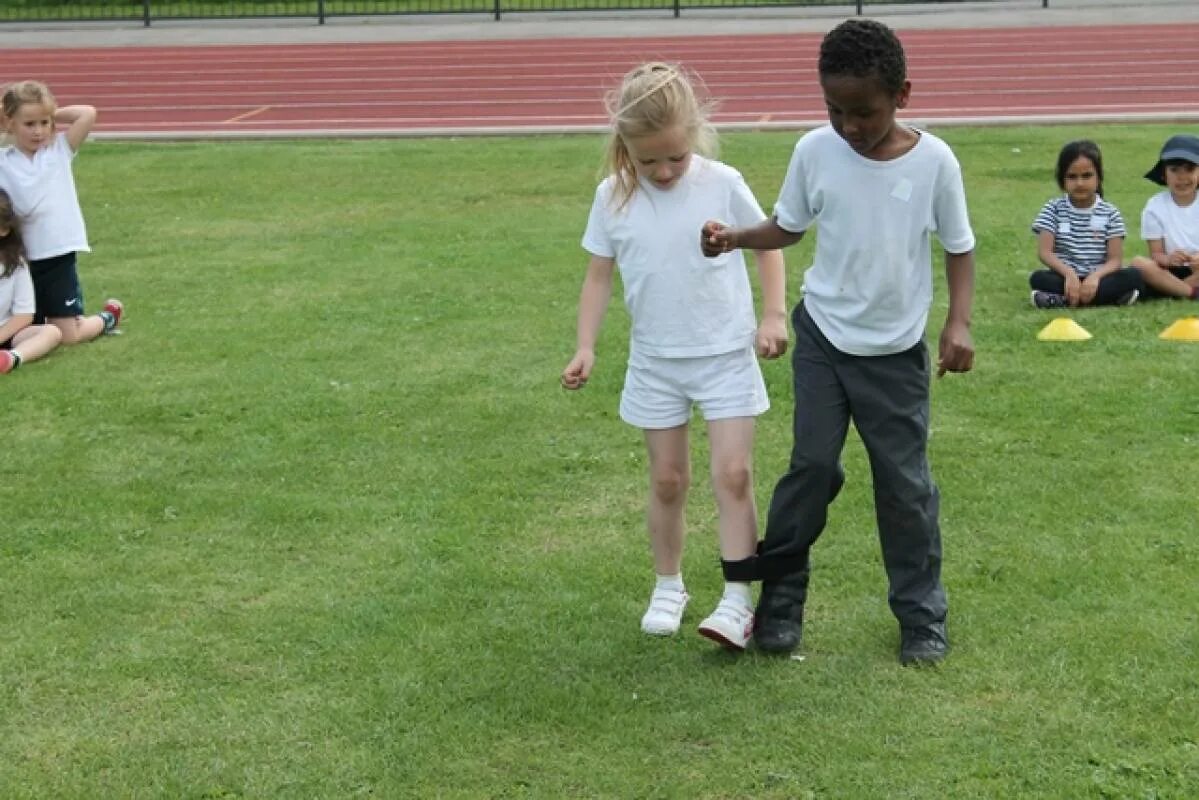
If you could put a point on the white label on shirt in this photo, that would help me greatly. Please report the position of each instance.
(902, 190)
(1063, 227)
(1098, 223)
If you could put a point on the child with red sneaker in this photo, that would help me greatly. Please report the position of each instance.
(36, 172)
(16, 299)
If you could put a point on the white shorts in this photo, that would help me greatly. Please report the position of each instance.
(659, 393)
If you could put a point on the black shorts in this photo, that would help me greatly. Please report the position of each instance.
(56, 288)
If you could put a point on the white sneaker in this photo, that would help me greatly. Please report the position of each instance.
(730, 625)
(665, 612)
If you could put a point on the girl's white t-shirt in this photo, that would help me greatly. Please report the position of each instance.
(681, 304)
(1177, 225)
(42, 189)
(16, 294)
(870, 286)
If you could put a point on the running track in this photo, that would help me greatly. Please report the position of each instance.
(985, 75)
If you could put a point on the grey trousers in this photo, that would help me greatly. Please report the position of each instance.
(887, 397)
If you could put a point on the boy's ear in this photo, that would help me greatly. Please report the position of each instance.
(903, 95)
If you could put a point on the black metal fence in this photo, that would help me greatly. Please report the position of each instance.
(149, 11)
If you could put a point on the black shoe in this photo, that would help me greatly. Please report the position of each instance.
(1048, 300)
(924, 644)
(778, 620)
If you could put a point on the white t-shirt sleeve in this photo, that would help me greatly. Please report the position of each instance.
(950, 214)
(22, 298)
(1153, 227)
(595, 239)
(794, 211)
(744, 206)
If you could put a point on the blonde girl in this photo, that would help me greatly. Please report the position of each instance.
(693, 331)
(20, 339)
(35, 170)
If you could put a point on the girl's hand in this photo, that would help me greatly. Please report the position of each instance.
(715, 238)
(955, 349)
(578, 370)
(1088, 290)
(1179, 258)
(772, 338)
(1073, 290)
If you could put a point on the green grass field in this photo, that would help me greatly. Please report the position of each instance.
(321, 523)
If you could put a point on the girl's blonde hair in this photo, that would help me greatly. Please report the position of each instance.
(22, 93)
(12, 248)
(651, 98)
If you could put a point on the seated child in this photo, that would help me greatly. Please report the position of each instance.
(20, 340)
(1170, 223)
(1080, 238)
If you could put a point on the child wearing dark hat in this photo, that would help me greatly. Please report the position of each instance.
(1170, 222)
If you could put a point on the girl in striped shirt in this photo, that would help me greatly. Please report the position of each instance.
(1080, 239)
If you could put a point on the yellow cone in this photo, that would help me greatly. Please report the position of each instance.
(1184, 330)
(1063, 329)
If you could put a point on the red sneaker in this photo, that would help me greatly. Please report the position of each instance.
(116, 308)
(6, 361)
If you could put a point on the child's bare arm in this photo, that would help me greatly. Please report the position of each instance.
(772, 330)
(1114, 260)
(956, 347)
(716, 237)
(593, 303)
(80, 120)
(1045, 244)
(15, 324)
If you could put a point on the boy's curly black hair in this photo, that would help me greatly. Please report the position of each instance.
(864, 48)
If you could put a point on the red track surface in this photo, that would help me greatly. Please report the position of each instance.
(1091, 72)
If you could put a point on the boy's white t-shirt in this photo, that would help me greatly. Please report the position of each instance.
(1177, 225)
(42, 189)
(681, 304)
(16, 294)
(870, 286)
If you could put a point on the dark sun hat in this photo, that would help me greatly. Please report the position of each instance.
(1181, 147)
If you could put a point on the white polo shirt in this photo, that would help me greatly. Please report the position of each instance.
(16, 294)
(870, 286)
(42, 189)
(681, 304)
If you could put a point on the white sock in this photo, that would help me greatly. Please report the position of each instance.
(739, 592)
(671, 582)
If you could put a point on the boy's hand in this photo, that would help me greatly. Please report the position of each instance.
(955, 350)
(578, 370)
(1179, 258)
(772, 338)
(715, 238)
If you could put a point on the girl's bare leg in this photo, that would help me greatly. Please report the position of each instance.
(78, 329)
(35, 341)
(1162, 280)
(669, 479)
(732, 443)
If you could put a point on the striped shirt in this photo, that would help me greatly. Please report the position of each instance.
(1080, 235)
